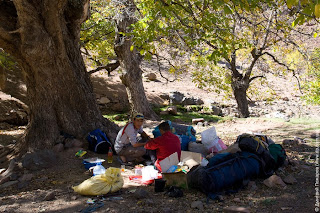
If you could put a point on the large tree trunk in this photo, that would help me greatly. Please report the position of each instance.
(130, 62)
(46, 45)
(240, 87)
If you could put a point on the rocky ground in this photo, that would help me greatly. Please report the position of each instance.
(49, 190)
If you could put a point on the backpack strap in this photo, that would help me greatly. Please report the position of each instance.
(124, 129)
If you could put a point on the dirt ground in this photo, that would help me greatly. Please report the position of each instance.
(69, 171)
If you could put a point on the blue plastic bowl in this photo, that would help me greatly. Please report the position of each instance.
(88, 165)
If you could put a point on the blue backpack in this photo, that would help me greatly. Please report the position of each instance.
(98, 142)
(225, 172)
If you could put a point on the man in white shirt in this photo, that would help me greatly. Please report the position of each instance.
(127, 145)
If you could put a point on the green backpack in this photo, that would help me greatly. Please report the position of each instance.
(278, 153)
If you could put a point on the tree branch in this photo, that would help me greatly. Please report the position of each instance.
(159, 67)
(255, 77)
(286, 66)
(109, 67)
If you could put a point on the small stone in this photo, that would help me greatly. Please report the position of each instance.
(274, 181)
(197, 205)
(315, 135)
(164, 96)
(49, 196)
(164, 113)
(197, 120)
(236, 209)
(290, 179)
(104, 100)
(285, 99)
(58, 147)
(252, 186)
(173, 110)
(287, 142)
(151, 76)
(237, 200)
(141, 194)
(74, 197)
(78, 143)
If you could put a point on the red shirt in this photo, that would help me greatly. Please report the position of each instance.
(165, 145)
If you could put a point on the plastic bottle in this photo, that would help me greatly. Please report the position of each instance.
(110, 155)
(98, 169)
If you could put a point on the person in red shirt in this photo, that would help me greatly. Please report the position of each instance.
(165, 145)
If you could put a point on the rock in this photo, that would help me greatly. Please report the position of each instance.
(236, 209)
(176, 98)
(290, 179)
(26, 177)
(164, 113)
(151, 76)
(78, 143)
(68, 143)
(197, 120)
(237, 200)
(9, 183)
(164, 96)
(104, 100)
(191, 101)
(287, 142)
(197, 205)
(58, 147)
(274, 181)
(252, 186)
(315, 135)
(74, 198)
(173, 110)
(285, 99)
(141, 194)
(39, 160)
(49, 196)
(215, 110)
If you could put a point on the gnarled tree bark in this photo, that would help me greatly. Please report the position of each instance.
(43, 36)
(130, 63)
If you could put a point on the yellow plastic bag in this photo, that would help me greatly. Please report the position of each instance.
(110, 181)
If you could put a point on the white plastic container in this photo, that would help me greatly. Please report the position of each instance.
(98, 169)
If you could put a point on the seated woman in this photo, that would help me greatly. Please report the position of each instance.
(165, 145)
(127, 146)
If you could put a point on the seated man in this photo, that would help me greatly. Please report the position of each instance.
(165, 145)
(127, 146)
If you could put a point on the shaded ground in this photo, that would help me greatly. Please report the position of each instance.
(69, 171)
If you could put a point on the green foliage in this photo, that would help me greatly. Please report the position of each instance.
(312, 84)
(97, 33)
(187, 117)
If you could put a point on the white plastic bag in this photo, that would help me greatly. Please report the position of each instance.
(208, 137)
